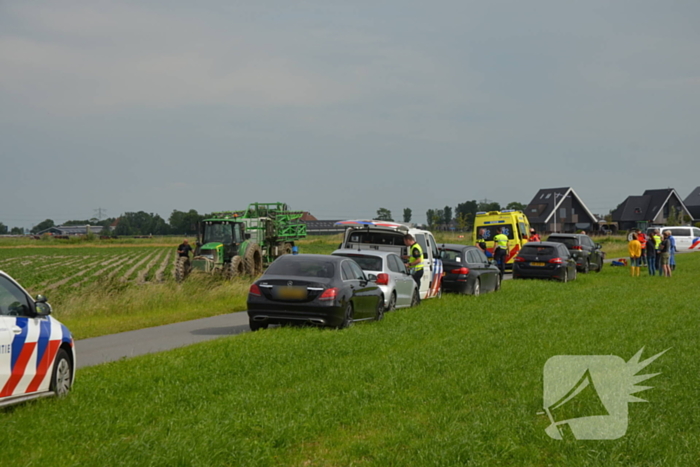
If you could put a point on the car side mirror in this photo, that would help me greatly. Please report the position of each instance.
(598, 246)
(371, 277)
(43, 308)
(40, 299)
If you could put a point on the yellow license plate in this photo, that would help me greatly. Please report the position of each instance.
(536, 264)
(292, 293)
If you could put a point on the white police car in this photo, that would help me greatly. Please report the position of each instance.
(37, 355)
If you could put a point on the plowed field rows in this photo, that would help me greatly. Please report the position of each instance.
(68, 269)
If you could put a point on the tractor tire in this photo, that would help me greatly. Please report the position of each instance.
(253, 260)
(235, 268)
(182, 268)
(284, 249)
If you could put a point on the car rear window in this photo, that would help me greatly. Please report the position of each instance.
(568, 241)
(367, 263)
(378, 238)
(451, 255)
(303, 268)
(539, 250)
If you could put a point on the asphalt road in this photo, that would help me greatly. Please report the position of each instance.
(113, 347)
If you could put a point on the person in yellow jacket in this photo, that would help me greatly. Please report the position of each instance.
(635, 249)
(415, 259)
(500, 249)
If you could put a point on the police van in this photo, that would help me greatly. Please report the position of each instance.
(37, 354)
(514, 225)
(388, 236)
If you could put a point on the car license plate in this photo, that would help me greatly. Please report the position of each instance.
(292, 293)
(536, 264)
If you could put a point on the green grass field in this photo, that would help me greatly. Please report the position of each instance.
(456, 381)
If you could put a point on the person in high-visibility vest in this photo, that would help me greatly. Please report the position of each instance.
(643, 242)
(657, 244)
(533, 236)
(500, 249)
(415, 259)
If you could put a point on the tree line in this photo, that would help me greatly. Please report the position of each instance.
(128, 224)
(461, 218)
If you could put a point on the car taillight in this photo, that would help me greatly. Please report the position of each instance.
(556, 260)
(578, 247)
(382, 279)
(460, 271)
(329, 294)
(255, 290)
(519, 259)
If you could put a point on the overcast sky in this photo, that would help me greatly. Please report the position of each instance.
(341, 107)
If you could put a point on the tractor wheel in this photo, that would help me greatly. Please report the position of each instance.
(182, 268)
(253, 260)
(285, 249)
(235, 268)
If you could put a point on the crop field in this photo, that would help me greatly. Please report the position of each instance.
(69, 269)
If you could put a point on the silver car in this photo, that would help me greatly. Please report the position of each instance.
(399, 288)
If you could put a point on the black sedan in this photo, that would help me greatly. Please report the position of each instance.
(467, 270)
(545, 260)
(314, 289)
(587, 253)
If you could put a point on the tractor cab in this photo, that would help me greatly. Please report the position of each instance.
(218, 241)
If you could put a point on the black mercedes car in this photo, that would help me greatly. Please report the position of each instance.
(467, 270)
(588, 254)
(546, 260)
(314, 289)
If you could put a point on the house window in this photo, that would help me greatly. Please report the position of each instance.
(637, 210)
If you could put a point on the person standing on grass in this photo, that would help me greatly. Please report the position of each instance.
(500, 250)
(665, 254)
(635, 249)
(415, 259)
(184, 249)
(672, 251)
(657, 244)
(641, 236)
(651, 256)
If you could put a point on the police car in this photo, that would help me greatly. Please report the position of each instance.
(37, 354)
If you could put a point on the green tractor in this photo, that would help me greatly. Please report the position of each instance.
(223, 247)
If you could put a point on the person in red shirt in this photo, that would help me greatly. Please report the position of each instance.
(642, 238)
(533, 236)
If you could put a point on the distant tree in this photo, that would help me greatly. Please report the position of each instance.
(17, 231)
(488, 205)
(439, 216)
(43, 225)
(430, 217)
(384, 214)
(141, 223)
(3, 229)
(407, 214)
(447, 215)
(184, 223)
(462, 222)
(78, 222)
(468, 209)
(517, 206)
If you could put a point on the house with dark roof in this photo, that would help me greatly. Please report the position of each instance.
(692, 202)
(559, 210)
(652, 208)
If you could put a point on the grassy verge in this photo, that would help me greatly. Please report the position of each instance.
(457, 381)
(111, 306)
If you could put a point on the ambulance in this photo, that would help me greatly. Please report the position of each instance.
(388, 236)
(513, 223)
(37, 353)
